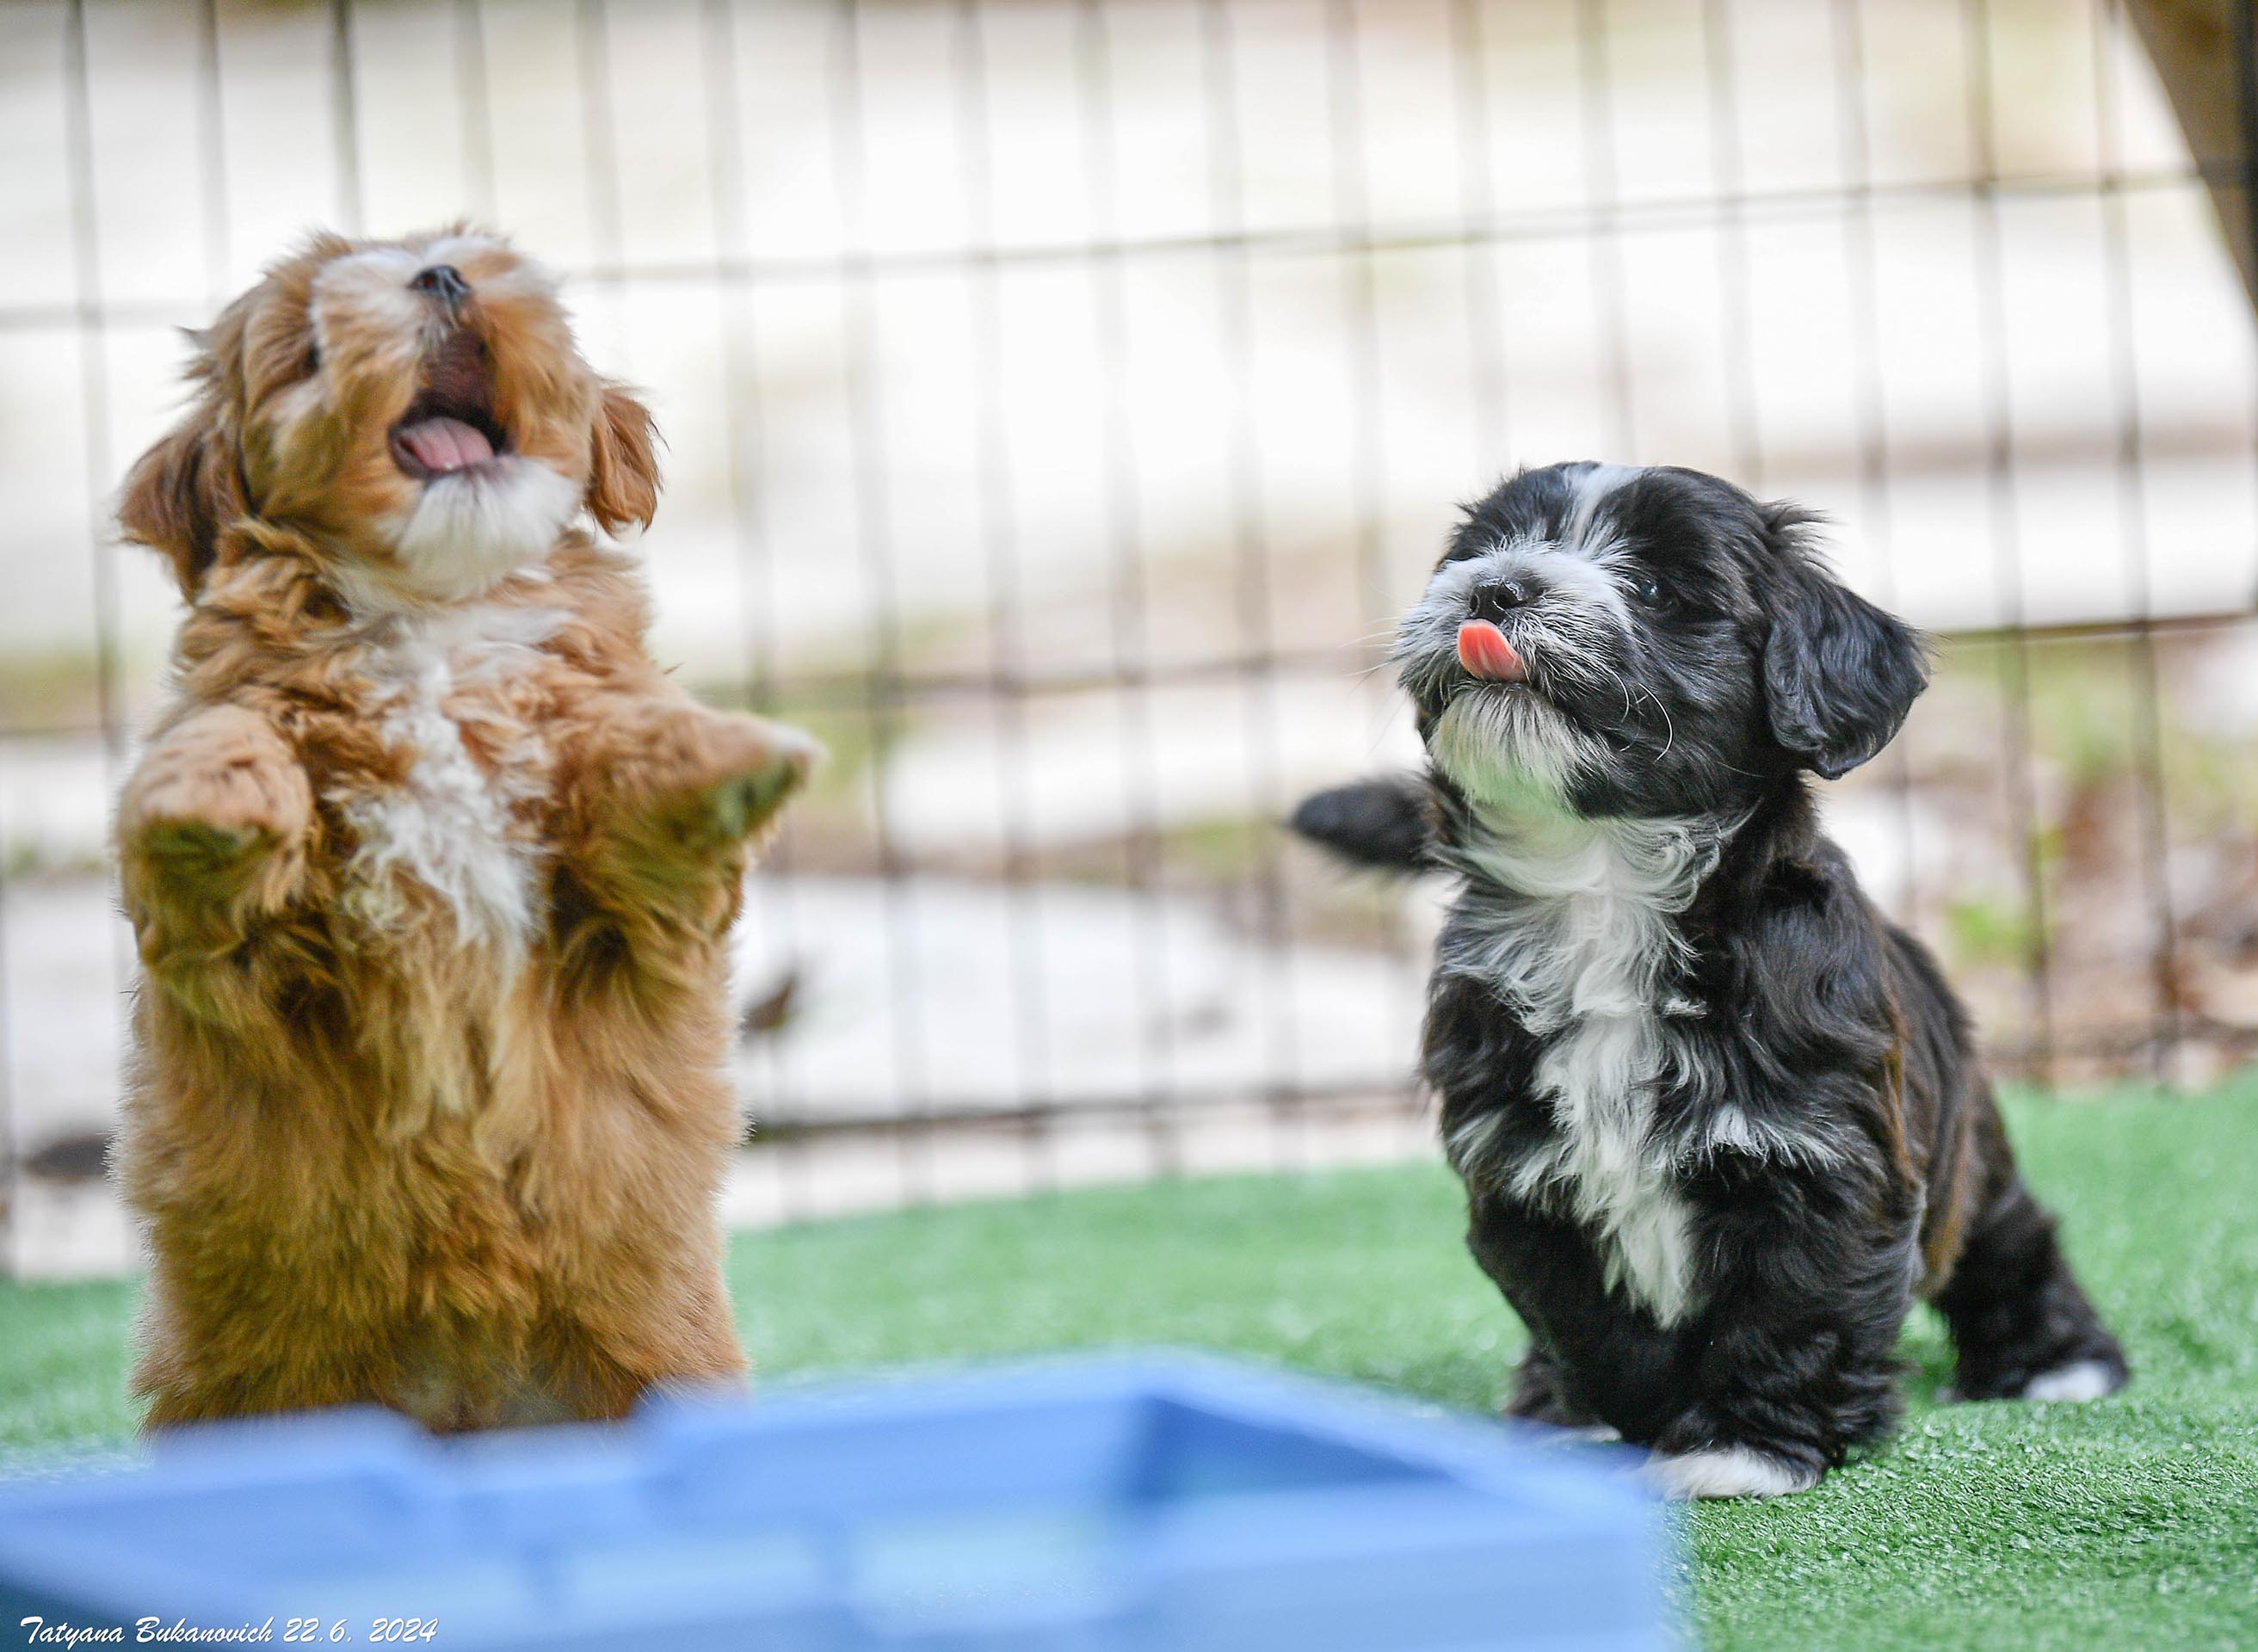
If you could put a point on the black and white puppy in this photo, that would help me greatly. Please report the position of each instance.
(1719, 1121)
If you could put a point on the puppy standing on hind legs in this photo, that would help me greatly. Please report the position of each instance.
(1719, 1121)
(430, 869)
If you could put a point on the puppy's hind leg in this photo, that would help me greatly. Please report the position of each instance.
(601, 1361)
(2023, 1327)
(232, 1355)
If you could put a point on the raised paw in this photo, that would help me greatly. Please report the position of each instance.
(212, 799)
(194, 845)
(751, 767)
(746, 802)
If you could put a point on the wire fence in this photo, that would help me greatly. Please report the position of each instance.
(1063, 399)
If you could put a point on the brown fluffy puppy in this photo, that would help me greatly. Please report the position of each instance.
(432, 871)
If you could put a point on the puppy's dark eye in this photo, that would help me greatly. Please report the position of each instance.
(312, 364)
(1648, 589)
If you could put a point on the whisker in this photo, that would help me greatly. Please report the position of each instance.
(1669, 724)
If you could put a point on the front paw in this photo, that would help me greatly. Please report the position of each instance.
(755, 766)
(746, 802)
(196, 850)
(213, 800)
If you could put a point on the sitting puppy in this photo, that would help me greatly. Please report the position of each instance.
(1718, 1119)
(432, 870)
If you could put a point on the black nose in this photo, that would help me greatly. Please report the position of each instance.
(443, 281)
(1495, 598)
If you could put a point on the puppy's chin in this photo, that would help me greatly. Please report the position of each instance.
(1509, 749)
(468, 530)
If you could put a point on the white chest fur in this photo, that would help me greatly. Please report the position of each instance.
(452, 825)
(1574, 923)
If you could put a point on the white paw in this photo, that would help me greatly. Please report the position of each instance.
(1729, 1471)
(1593, 1434)
(1574, 1434)
(2081, 1379)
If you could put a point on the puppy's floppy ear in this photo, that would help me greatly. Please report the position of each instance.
(1386, 823)
(184, 490)
(623, 461)
(1839, 674)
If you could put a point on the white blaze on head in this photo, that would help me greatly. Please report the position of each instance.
(1591, 489)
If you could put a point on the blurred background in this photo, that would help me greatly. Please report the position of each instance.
(1060, 401)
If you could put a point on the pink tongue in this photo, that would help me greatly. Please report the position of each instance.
(1484, 653)
(445, 444)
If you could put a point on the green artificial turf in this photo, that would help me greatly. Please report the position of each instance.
(2131, 1522)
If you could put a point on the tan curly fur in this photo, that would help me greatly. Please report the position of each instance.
(432, 872)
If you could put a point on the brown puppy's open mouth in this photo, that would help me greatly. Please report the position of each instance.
(450, 426)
